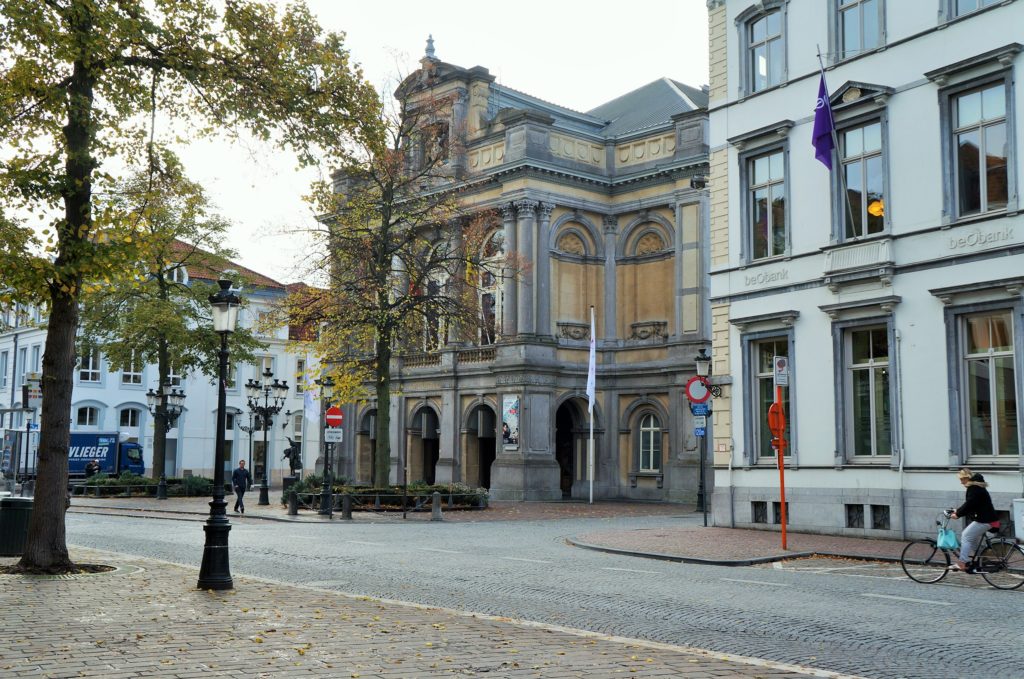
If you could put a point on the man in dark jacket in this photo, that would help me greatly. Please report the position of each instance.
(241, 480)
(977, 511)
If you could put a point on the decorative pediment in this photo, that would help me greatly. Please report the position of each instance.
(1000, 56)
(1000, 288)
(764, 135)
(775, 319)
(853, 93)
(884, 305)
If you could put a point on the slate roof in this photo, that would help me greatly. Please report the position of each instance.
(653, 104)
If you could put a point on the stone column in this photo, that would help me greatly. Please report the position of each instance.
(543, 289)
(448, 467)
(509, 313)
(456, 284)
(611, 233)
(526, 211)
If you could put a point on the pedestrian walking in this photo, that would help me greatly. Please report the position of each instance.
(241, 481)
(92, 467)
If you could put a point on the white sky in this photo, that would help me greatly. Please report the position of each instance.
(574, 53)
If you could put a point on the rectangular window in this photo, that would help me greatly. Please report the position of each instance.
(297, 426)
(860, 26)
(300, 375)
(988, 379)
(132, 374)
(22, 366)
(777, 513)
(36, 351)
(129, 418)
(766, 191)
(89, 365)
(866, 356)
(87, 417)
(864, 175)
(173, 378)
(765, 51)
(981, 149)
(3, 369)
(229, 421)
(758, 512)
(880, 517)
(854, 516)
(764, 353)
(968, 6)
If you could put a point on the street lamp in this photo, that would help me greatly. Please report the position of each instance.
(326, 495)
(215, 572)
(249, 429)
(702, 364)
(273, 394)
(169, 401)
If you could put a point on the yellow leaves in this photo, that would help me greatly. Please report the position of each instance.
(257, 640)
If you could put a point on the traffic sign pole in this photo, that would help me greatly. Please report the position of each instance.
(777, 425)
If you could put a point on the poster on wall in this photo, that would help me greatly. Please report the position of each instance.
(510, 420)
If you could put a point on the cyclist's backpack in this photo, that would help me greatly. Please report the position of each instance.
(947, 539)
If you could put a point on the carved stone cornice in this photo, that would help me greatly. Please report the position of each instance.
(649, 330)
(574, 331)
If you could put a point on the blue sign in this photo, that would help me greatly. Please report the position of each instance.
(700, 408)
(33, 426)
(699, 431)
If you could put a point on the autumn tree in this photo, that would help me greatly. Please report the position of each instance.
(83, 85)
(397, 254)
(151, 313)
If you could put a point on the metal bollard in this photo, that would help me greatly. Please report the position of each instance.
(435, 512)
(293, 504)
(376, 502)
(346, 507)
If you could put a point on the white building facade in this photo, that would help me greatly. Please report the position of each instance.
(900, 309)
(105, 400)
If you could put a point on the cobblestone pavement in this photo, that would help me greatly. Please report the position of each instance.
(148, 619)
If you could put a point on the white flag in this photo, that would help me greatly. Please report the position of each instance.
(309, 404)
(592, 368)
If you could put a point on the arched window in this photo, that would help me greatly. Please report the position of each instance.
(490, 288)
(87, 416)
(649, 454)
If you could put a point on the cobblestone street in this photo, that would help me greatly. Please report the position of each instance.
(147, 619)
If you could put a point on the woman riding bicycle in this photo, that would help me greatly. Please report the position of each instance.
(977, 509)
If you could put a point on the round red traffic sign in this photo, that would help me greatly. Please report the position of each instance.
(697, 389)
(334, 417)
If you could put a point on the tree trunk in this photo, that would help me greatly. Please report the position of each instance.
(160, 418)
(46, 545)
(382, 455)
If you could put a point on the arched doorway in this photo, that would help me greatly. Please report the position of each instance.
(565, 446)
(424, 447)
(366, 447)
(480, 446)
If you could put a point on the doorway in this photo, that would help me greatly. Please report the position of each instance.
(565, 443)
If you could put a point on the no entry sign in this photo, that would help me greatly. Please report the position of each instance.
(333, 416)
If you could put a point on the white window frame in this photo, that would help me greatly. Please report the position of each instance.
(89, 365)
(130, 375)
(173, 378)
(965, 359)
(840, 50)
(297, 420)
(754, 422)
(4, 364)
(88, 411)
(873, 367)
(747, 161)
(842, 207)
(744, 24)
(133, 413)
(649, 443)
(300, 375)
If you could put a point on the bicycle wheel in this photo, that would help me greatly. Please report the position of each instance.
(1002, 564)
(923, 561)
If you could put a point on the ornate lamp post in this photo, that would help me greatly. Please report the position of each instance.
(169, 401)
(326, 500)
(215, 572)
(266, 399)
(702, 362)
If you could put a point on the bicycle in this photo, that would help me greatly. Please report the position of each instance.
(999, 560)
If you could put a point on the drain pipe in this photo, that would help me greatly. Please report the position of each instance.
(902, 448)
(732, 489)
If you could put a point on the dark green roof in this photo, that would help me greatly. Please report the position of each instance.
(653, 104)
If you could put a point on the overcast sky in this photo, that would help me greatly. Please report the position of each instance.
(574, 53)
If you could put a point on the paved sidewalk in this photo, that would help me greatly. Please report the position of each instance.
(148, 619)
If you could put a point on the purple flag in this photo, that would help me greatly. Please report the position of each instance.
(821, 137)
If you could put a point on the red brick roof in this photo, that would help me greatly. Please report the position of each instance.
(207, 266)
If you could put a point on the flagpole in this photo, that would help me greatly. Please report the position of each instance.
(592, 392)
(835, 150)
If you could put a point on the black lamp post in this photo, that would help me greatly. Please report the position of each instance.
(169, 401)
(249, 429)
(273, 394)
(702, 363)
(215, 572)
(326, 500)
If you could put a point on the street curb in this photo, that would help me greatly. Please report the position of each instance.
(106, 511)
(725, 562)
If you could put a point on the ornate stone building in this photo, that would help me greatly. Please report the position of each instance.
(607, 209)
